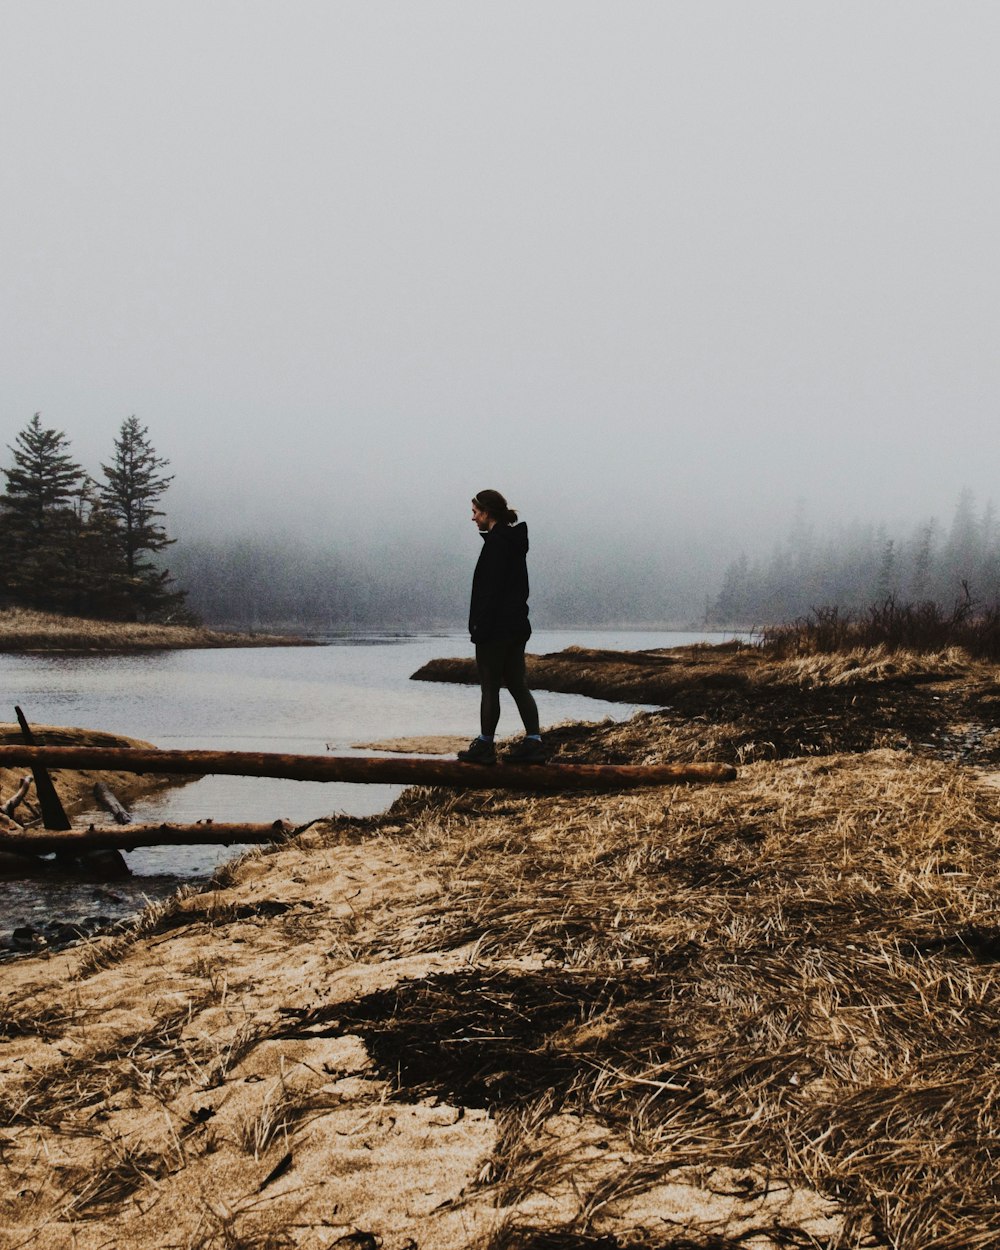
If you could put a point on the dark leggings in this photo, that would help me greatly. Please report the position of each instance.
(501, 663)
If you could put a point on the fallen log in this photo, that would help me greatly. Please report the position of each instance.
(128, 837)
(107, 798)
(367, 769)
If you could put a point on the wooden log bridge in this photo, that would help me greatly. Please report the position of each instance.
(408, 771)
(127, 837)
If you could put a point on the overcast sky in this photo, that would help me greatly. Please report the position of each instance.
(653, 268)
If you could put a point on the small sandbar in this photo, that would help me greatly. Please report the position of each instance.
(23, 631)
(428, 744)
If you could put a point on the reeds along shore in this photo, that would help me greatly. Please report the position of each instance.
(758, 1015)
(894, 625)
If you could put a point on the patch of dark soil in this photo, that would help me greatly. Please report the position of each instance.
(781, 722)
(981, 942)
(266, 909)
(567, 1239)
(481, 1039)
(817, 722)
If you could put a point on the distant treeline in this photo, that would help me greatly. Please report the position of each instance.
(860, 565)
(287, 583)
(73, 543)
(412, 582)
(416, 582)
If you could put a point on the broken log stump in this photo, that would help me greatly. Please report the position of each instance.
(53, 814)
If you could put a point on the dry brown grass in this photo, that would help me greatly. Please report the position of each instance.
(797, 973)
(24, 630)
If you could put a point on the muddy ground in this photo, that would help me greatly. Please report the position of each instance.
(757, 1014)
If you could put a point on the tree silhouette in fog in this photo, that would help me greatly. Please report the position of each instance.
(133, 483)
(858, 565)
(69, 544)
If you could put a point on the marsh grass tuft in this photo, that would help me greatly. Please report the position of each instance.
(892, 625)
(112, 1182)
(236, 1226)
(278, 1112)
(155, 1060)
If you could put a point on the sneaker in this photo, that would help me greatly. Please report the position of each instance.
(478, 752)
(527, 751)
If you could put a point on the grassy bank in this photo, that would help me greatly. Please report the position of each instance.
(755, 1015)
(25, 630)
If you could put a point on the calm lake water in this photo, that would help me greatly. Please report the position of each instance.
(307, 700)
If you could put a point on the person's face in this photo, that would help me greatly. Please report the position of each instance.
(480, 519)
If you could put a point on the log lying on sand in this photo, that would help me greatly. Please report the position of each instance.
(361, 768)
(128, 837)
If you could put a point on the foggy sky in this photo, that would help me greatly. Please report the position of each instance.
(662, 271)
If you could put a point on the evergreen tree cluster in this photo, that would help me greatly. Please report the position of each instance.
(864, 564)
(70, 543)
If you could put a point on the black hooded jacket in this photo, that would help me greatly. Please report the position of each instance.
(499, 607)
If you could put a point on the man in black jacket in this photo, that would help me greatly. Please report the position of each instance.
(499, 627)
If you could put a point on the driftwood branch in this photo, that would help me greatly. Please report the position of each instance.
(12, 804)
(362, 768)
(128, 837)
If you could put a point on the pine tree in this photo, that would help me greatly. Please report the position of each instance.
(734, 603)
(43, 479)
(38, 518)
(923, 562)
(99, 585)
(133, 484)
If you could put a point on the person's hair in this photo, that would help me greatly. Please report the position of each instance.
(493, 504)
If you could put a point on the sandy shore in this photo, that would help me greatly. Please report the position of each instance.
(758, 1014)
